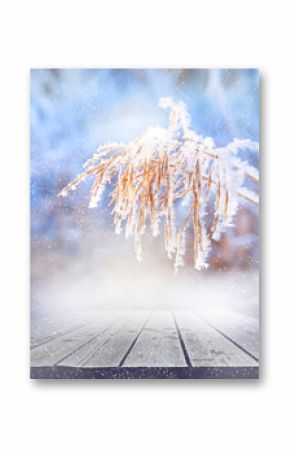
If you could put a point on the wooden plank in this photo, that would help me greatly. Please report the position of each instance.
(111, 351)
(158, 344)
(55, 350)
(242, 329)
(43, 335)
(206, 347)
(46, 328)
(91, 349)
(43, 328)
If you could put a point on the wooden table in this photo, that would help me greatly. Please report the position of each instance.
(147, 344)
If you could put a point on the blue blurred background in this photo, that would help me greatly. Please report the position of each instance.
(75, 111)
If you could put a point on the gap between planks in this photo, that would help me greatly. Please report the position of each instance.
(182, 344)
(134, 341)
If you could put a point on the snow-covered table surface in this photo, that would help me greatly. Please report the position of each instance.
(120, 344)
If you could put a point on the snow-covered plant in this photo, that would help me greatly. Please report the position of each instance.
(169, 168)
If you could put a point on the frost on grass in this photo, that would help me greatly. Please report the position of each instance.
(164, 167)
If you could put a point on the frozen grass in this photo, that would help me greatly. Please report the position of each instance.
(164, 167)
